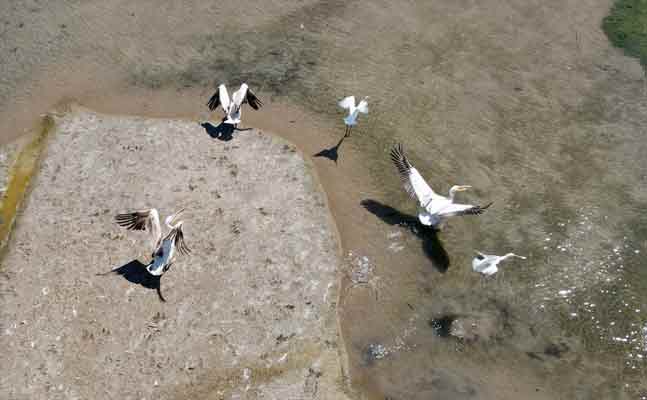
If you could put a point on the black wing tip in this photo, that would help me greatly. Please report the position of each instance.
(481, 209)
(130, 221)
(400, 160)
(397, 153)
(179, 242)
(214, 101)
(124, 218)
(131, 226)
(253, 100)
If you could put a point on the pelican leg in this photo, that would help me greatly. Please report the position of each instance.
(167, 267)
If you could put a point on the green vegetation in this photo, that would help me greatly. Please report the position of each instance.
(626, 27)
(21, 174)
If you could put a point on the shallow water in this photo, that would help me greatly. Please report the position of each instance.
(525, 101)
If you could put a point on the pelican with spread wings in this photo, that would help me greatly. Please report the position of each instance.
(163, 247)
(488, 264)
(348, 103)
(232, 107)
(434, 208)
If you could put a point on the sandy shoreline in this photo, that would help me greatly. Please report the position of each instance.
(526, 101)
(345, 202)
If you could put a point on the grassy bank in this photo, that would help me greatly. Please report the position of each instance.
(626, 27)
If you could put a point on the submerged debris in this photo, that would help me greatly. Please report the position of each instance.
(442, 326)
(375, 351)
(361, 269)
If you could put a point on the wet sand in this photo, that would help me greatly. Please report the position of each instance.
(544, 117)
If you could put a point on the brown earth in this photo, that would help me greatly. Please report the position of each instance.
(543, 114)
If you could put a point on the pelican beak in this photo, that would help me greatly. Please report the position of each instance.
(177, 214)
(463, 188)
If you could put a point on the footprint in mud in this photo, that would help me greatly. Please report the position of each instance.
(311, 385)
(552, 350)
(236, 227)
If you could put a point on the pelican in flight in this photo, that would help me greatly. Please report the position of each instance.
(348, 103)
(163, 247)
(487, 264)
(232, 107)
(434, 208)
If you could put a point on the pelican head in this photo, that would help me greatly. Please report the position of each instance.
(457, 188)
(171, 218)
(515, 255)
(460, 188)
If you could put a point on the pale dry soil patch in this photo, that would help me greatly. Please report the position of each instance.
(250, 313)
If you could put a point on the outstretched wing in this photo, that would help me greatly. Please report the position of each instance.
(363, 107)
(414, 183)
(238, 97)
(141, 221)
(177, 235)
(214, 101)
(453, 210)
(220, 98)
(253, 101)
(347, 102)
(138, 220)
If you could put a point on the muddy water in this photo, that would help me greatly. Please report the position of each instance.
(525, 101)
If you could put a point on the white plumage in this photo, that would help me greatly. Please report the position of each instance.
(487, 264)
(163, 247)
(434, 208)
(232, 107)
(348, 103)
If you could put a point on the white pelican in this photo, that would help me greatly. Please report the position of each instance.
(163, 248)
(232, 107)
(487, 263)
(434, 208)
(348, 103)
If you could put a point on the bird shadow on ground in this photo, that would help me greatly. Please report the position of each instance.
(135, 272)
(331, 153)
(431, 244)
(224, 132)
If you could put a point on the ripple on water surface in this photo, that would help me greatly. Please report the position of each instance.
(596, 284)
